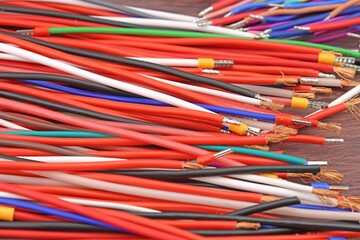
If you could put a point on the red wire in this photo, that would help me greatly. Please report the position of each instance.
(83, 10)
(222, 3)
(31, 5)
(278, 70)
(131, 223)
(329, 26)
(31, 217)
(307, 139)
(301, 88)
(328, 112)
(102, 66)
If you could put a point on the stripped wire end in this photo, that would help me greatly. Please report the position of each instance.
(339, 188)
(351, 202)
(258, 147)
(345, 73)
(332, 127)
(206, 11)
(302, 28)
(257, 17)
(227, 120)
(317, 163)
(203, 23)
(353, 108)
(286, 130)
(327, 18)
(321, 90)
(349, 83)
(325, 193)
(26, 32)
(211, 71)
(276, 5)
(354, 35)
(248, 225)
(329, 176)
(304, 95)
(272, 106)
(276, 138)
(192, 165)
(253, 131)
(287, 81)
(228, 14)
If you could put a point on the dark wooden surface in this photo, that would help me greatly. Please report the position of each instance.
(343, 157)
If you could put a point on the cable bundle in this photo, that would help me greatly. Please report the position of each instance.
(318, 20)
(128, 123)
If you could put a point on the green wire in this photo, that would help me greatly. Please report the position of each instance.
(258, 153)
(189, 34)
(136, 31)
(62, 134)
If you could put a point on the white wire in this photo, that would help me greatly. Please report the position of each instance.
(270, 91)
(169, 24)
(175, 62)
(31, 180)
(98, 78)
(259, 124)
(209, 91)
(166, 15)
(189, 198)
(259, 188)
(7, 124)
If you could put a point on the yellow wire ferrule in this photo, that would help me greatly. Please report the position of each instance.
(269, 175)
(7, 213)
(208, 63)
(240, 129)
(327, 57)
(297, 102)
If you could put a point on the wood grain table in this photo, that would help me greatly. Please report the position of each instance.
(343, 157)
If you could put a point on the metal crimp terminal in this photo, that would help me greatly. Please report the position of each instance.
(206, 11)
(26, 32)
(346, 60)
(203, 23)
(303, 28)
(354, 35)
(326, 75)
(238, 24)
(309, 81)
(339, 188)
(223, 153)
(258, 17)
(357, 68)
(301, 122)
(258, 96)
(211, 71)
(276, 5)
(318, 105)
(317, 163)
(231, 121)
(334, 140)
(224, 63)
(253, 131)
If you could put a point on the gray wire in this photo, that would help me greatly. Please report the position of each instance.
(121, 8)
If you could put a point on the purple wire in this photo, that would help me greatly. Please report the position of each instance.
(331, 37)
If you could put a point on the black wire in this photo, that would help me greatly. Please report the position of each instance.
(286, 223)
(121, 8)
(67, 108)
(266, 206)
(142, 64)
(12, 158)
(80, 227)
(241, 232)
(357, 61)
(217, 172)
(52, 13)
(64, 79)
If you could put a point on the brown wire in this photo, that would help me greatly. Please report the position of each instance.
(40, 146)
(341, 8)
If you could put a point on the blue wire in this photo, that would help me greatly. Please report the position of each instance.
(223, 110)
(288, 34)
(276, 19)
(253, 6)
(55, 212)
(313, 4)
(313, 207)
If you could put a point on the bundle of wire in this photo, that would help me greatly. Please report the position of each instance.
(128, 123)
(317, 21)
